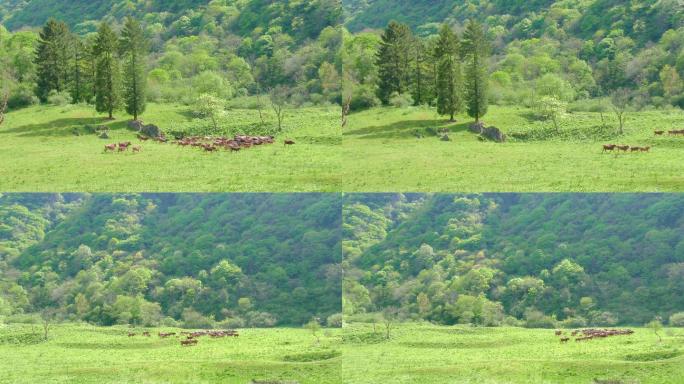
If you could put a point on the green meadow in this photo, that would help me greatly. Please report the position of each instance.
(49, 148)
(88, 354)
(420, 353)
(393, 149)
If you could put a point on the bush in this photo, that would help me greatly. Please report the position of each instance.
(677, 320)
(537, 319)
(363, 98)
(334, 321)
(22, 97)
(261, 320)
(232, 323)
(511, 321)
(401, 100)
(59, 98)
(194, 319)
(574, 322)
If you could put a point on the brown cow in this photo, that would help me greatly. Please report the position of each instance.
(564, 340)
(659, 133)
(131, 334)
(645, 149)
(609, 147)
(289, 142)
(187, 343)
(623, 148)
(558, 333)
(635, 149)
(110, 147)
(137, 148)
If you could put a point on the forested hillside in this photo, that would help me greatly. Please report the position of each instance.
(516, 259)
(195, 260)
(547, 55)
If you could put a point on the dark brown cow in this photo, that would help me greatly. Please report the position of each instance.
(623, 148)
(131, 334)
(635, 149)
(645, 149)
(559, 333)
(187, 343)
(609, 147)
(659, 133)
(565, 340)
(289, 142)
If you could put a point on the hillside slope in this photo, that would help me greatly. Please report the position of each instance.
(248, 259)
(586, 259)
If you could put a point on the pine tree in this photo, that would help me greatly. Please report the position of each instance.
(421, 83)
(475, 50)
(394, 61)
(81, 78)
(134, 50)
(52, 59)
(449, 77)
(107, 71)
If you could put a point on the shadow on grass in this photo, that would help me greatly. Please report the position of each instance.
(63, 127)
(408, 129)
(111, 346)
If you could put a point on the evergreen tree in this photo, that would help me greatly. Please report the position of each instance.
(107, 76)
(449, 77)
(80, 84)
(475, 50)
(52, 59)
(420, 81)
(134, 47)
(393, 61)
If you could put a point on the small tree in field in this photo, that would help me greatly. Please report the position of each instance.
(551, 108)
(3, 106)
(279, 97)
(656, 325)
(389, 317)
(47, 317)
(620, 101)
(314, 326)
(210, 107)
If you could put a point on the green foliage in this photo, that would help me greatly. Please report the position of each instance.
(200, 259)
(133, 48)
(107, 70)
(573, 259)
(449, 75)
(393, 61)
(476, 51)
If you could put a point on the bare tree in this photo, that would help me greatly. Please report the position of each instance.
(389, 317)
(3, 107)
(48, 317)
(620, 100)
(279, 97)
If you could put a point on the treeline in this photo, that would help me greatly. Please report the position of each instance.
(521, 260)
(197, 261)
(550, 56)
(109, 70)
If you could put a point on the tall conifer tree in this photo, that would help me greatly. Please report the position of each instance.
(449, 77)
(107, 75)
(394, 61)
(52, 59)
(134, 50)
(476, 50)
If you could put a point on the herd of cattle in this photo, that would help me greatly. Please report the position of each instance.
(207, 143)
(671, 133)
(624, 148)
(591, 334)
(190, 338)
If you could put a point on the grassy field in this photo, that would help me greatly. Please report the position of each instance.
(430, 354)
(39, 151)
(390, 149)
(86, 354)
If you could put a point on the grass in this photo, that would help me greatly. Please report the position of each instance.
(40, 152)
(398, 150)
(421, 353)
(88, 354)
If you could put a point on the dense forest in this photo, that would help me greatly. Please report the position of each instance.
(554, 56)
(254, 260)
(533, 260)
(204, 54)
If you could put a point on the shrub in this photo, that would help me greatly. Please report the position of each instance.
(194, 319)
(334, 321)
(261, 320)
(574, 322)
(22, 97)
(59, 98)
(677, 320)
(401, 100)
(536, 319)
(231, 323)
(363, 98)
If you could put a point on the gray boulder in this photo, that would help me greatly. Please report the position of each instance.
(494, 134)
(151, 130)
(445, 138)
